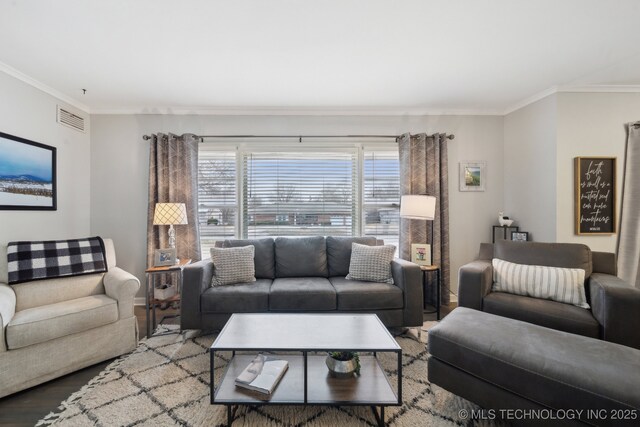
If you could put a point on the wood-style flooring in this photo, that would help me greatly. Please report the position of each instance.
(25, 408)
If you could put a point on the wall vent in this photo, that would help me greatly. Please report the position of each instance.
(67, 118)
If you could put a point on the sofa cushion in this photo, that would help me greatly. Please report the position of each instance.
(301, 257)
(371, 263)
(239, 298)
(48, 322)
(355, 295)
(51, 291)
(339, 253)
(264, 259)
(567, 255)
(233, 265)
(302, 294)
(553, 368)
(551, 314)
(564, 285)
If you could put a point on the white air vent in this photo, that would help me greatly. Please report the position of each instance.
(67, 118)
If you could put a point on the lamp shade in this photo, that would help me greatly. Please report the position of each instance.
(418, 207)
(170, 214)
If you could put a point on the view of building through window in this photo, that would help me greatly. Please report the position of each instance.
(254, 194)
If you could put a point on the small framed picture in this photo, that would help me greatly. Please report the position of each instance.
(472, 176)
(165, 257)
(421, 253)
(519, 236)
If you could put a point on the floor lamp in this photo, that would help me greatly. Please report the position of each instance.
(419, 206)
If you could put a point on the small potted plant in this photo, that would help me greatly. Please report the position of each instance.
(343, 364)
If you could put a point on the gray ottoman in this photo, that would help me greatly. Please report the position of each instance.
(501, 363)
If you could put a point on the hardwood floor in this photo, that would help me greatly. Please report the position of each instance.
(25, 408)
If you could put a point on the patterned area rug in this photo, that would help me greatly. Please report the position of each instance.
(165, 382)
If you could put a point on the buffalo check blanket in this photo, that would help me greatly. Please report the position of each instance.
(29, 261)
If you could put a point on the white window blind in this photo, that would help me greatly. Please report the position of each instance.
(381, 198)
(217, 197)
(306, 193)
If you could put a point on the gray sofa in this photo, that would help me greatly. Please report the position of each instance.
(301, 275)
(615, 305)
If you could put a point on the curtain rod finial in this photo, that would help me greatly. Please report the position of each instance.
(146, 137)
(451, 137)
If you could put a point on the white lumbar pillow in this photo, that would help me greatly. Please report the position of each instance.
(538, 281)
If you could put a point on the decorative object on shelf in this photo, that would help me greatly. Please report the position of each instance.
(27, 174)
(263, 374)
(519, 236)
(421, 254)
(343, 364)
(164, 257)
(504, 221)
(165, 291)
(595, 180)
(170, 214)
(502, 232)
(472, 176)
(422, 207)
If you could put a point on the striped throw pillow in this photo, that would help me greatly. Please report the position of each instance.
(564, 285)
(233, 265)
(371, 263)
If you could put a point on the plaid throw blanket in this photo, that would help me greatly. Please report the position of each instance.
(29, 261)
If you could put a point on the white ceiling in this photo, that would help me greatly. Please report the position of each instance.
(339, 55)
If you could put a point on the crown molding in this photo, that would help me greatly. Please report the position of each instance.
(302, 111)
(530, 100)
(7, 69)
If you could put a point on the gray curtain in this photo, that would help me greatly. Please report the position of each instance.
(629, 235)
(424, 170)
(173, 178)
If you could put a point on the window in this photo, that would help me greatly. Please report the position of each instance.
(246, 191)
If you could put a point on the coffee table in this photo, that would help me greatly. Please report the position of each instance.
(307, 381)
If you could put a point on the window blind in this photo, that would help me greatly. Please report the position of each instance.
(306, 193)
(217, 197)
(381, 198)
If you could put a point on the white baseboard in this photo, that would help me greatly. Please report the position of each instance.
(139, 301)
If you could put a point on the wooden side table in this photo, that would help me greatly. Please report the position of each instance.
(427, 269)
(152, 274)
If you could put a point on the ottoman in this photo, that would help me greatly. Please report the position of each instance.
(501, 364)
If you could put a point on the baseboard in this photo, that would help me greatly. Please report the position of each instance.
(139, 301)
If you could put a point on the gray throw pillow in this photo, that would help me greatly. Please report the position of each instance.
(233, 265)
(371, 263)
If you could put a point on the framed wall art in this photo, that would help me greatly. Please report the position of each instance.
(27, 174)
(472, 176)
(595, 195)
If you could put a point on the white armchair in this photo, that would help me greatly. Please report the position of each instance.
(51, 327)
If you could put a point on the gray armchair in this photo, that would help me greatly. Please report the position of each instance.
(615, 305)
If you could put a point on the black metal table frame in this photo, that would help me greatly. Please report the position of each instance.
(438, 291)
(150, 297)
(233, 405)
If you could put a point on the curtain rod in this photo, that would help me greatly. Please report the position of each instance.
(300, 137)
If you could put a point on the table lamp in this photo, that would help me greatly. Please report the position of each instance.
(170, 214)
(419, 206)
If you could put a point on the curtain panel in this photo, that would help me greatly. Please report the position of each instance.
(173, 178)
(629, 235)
(424, 170)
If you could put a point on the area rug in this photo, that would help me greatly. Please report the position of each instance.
(165, 382)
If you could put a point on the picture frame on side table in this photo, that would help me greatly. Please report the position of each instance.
(472, 176)
(27, 175)
(164, 257)
(519, 236)
(421, 253)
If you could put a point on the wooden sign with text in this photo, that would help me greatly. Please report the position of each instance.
(595, 195)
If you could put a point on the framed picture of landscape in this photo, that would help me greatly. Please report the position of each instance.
(27, 174)
(472, 176)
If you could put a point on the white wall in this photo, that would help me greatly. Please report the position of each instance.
(119, 168)
(30, 113)
(590, 124)
(530, 168)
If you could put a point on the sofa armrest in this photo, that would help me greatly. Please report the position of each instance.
(7, 310)
(615, 304)
(195, 280)
(408, 277)
(474, 283)
(121, 286)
